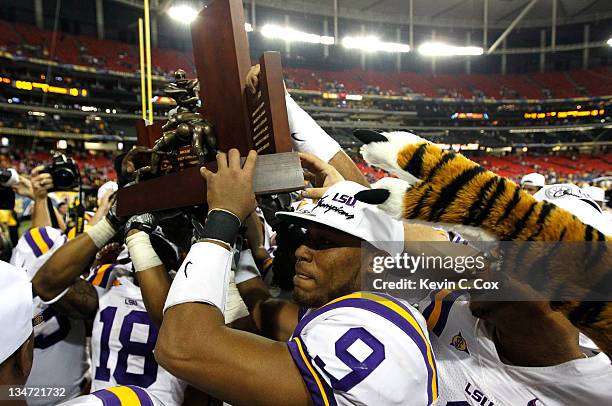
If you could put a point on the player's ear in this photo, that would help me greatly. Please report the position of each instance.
(24, 358)
(372, 261)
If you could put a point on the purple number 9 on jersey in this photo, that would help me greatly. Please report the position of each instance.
(359, 369)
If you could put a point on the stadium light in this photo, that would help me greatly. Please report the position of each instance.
(373, 44)
(183, 13)
(442, 49)
(610, 42)
(290, 35)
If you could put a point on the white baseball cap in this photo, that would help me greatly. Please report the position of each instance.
(35, 247)
(573, 199)
(596, 193)
(339, 209)
(15, 309)
(534, 179)
(110, 185)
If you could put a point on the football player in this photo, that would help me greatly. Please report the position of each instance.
(349, 347)
(16, 332)
(59, 342)
(117, 396)
(516, 353)
(124, 333)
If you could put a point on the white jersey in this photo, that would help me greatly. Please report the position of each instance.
(59, 343)
(123, 340)
(117, 396)
(471, 372)
(365, 349)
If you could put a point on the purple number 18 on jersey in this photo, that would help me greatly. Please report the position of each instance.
(128, 347)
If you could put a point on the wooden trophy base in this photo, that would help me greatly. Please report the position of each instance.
(274, 173)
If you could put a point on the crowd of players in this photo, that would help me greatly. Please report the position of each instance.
(191, 307)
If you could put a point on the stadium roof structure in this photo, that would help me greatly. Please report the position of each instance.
(443, 13)
(457, 13)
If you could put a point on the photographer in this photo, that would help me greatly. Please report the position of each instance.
(9, 178)
(37, 188)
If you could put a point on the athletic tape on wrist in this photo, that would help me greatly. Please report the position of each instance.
(221, 225)
(101, 233)
(307, 136)
(234, 308)
(141, 252)
(203, 277)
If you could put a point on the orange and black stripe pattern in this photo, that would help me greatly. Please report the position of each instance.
(456, 190)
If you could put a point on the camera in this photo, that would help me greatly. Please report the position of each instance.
(64, 172)
(8, 177)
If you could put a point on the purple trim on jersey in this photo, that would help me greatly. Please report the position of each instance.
(309, 380)
(432, 297)
(387, 313)
(447, 304)
(106, 276)
(143, 396)
(108, 398)
(301, 312)
(93, 275)
(45, 237)
(32, 243)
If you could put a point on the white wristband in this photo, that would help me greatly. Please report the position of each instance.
(203, 277)
(246, 268)
(307, 136)
(101, 233)
(141, 252)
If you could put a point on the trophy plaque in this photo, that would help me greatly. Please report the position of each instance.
(227, 116)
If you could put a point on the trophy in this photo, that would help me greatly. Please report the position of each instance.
(225, 115)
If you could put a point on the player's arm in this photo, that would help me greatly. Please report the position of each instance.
(151, 272)
(79, 302)
(307, 136)
(41, 183)
(255, 235)
(274, 318)
(193, 343)
(65, 266)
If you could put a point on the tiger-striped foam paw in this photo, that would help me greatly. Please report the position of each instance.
(388, 194)
(382, 150)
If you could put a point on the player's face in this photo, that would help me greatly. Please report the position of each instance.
(327, 267)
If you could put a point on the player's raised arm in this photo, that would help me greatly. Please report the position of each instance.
(59, 279)
(274, 318)
(152, 275)
(194, 344)
(308, 136)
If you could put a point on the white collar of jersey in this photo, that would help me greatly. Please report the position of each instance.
(339, 209)
(16, 309)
